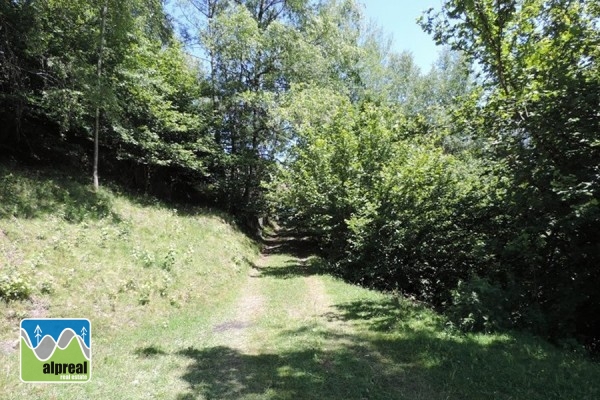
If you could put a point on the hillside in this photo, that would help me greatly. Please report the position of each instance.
(183, 306)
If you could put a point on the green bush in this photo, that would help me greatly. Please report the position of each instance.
(14, 287)
(479, 305)
(393, 209)
(169, 259)
(419, 232)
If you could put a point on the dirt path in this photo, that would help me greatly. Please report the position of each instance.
(281, 293)
(281, 335)
(235, 330)
(307, 300)
(319, 302)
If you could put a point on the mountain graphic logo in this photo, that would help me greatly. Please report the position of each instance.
(56, 350)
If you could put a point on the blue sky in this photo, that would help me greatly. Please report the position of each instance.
(398, 17)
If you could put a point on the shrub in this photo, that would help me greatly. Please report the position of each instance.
(419, 233)
(14, 287)
(478, 305)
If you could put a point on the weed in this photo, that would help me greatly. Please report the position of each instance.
(14, 286)
(38, 261)
(145, 257)
(144, 292)
(169, 259)
(163, 285)
(46, 288)
(104, 236)
(174, 302)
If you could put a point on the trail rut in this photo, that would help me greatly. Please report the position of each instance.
(235, 330)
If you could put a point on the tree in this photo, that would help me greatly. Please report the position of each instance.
(539, 60)
(107, 79)
(99, 73)
(256, 51)
(18, 23)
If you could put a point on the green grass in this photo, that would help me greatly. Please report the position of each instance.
(178, 313)
(140, 270)
(421, 359)
(376, 346)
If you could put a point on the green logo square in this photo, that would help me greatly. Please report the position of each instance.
(56, 350)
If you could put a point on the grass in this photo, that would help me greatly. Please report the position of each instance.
(369, 345)
(183, 307)
(433, 362)
(137, 268)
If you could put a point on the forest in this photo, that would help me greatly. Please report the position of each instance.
(473, 187)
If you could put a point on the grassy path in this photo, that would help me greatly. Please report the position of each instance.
(294, 333)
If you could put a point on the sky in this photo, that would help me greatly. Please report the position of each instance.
(398, 18)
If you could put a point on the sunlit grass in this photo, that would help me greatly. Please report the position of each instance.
(139, 270)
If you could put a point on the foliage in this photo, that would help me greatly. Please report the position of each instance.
(148, 92)
(418, 233)
(14, 286)
(162, 125)
(321, 186)
(540, 110)
(478, 305)
(498, 183)
(389, 206)
(257, 51)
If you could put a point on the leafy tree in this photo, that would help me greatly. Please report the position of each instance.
(162, 124)
(112, 70)
(256, 51)
(18, 22)
(389, 206)
(539, 60)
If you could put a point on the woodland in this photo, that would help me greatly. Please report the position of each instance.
(473, 187)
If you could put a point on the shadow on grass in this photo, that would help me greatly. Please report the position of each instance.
(307, 260)
(392, 352)
(27, 193)
(225, 373)
(291, 243)
(32, 193)
(149, 352)
(296, 268)
(380, 316)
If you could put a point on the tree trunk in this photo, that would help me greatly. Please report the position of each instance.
(99, 75)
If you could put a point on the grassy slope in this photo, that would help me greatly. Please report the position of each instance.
(141, 271)
(178, 313)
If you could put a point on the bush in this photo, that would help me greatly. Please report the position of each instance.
(392, 209)
(419, 234)
(14, 287)
(478, 305)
